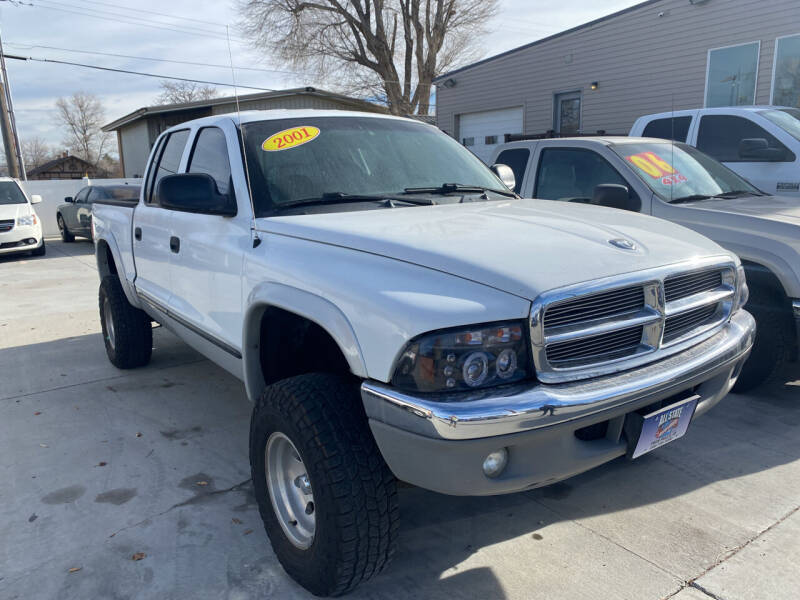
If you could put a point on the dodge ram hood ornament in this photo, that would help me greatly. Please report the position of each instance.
(622, 243)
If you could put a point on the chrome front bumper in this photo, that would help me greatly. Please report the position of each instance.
(439, 444)
(511, 410)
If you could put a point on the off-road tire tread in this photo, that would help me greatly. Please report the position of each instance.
(326, 413)
(774, 344)
(132, 327)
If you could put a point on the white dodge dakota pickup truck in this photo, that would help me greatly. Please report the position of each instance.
(395, 312)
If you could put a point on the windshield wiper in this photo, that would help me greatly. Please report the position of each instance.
(736, 194)
(691, 198)
(454, 188)
(342, 198)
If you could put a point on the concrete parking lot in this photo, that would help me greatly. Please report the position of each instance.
(100, 467)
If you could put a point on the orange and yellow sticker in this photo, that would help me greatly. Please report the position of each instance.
(290, 138)
(656, 167)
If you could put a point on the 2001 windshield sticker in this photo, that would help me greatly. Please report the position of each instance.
(657, 168)
(290, 138)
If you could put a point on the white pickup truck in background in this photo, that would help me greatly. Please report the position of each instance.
(681, 184)
(395, 312)
(760, 143)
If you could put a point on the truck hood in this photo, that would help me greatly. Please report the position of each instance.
(781, 209)
(13, 211)
(523, 247)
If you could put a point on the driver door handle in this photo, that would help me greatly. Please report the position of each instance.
(137, 233)
(175, 244)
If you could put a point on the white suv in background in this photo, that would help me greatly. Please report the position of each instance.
(760, 143)
(20, 226)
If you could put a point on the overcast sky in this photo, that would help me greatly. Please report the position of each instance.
(67, 24)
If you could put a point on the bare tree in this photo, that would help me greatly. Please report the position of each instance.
(387, 48)
(180, 92)
(82, 116)
(35, 152)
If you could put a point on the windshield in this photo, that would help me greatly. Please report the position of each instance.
(787, 119)
(291, 160)
(675, 171)
(11, 194)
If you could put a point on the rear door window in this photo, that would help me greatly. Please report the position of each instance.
(517, 159)
(169, 161)
(568, 173)
(675, 128)
(719, 136)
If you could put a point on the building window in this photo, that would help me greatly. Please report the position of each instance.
(786, 72)
(567, 113)
(490, 139)
(470, 141)
(731, 75)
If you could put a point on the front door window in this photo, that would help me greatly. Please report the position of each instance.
(568, 113)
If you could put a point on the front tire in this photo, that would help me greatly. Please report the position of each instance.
(327, 498)
(66, 236)
(127, 331)
(774, 343)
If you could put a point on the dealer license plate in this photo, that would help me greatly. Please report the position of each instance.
(665, 425)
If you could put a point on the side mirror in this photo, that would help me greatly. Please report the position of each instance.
(194, 192)
(757, 149)
(69, 199)
(36, 199)
(505, 174)
(614, 195)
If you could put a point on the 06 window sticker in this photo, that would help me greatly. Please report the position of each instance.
(657, 168)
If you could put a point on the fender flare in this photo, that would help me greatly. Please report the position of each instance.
(99, 248)
(305, 304)
(776, 265)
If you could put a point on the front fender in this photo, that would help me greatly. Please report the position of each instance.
(305, 304)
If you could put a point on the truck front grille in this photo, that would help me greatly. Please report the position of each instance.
(577, 333)
(6, 225)
(678, 325)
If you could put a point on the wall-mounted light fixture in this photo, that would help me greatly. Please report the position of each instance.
(449, 83)
(594, 85)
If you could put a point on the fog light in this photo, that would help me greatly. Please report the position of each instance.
(495, 462)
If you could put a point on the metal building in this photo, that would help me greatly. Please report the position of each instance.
(652, 57)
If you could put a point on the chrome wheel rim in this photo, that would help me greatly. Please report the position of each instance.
(60, 222)
(109, 322)
(290, 490)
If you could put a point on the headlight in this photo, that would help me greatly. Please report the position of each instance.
(29, 220)
(742, 291)
(464, 359)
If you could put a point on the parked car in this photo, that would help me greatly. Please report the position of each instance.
(760, 143)
(20, 226)
(74, 216)
(678, 183)
(396, 312)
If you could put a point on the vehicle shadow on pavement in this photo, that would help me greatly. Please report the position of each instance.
(176, 431)
(55, 249)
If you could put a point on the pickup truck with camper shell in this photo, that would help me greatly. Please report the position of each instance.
(760, 143)
(679, 183)
(20, 226)
(396, 313)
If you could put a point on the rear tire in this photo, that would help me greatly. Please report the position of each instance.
(127, 331)
(774, 343)
(40, 251)
(66, 236)
(351, 491)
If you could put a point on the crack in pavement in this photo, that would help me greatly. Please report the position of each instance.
(193, 500)
(727, 556)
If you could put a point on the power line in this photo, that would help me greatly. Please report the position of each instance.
(120, 19)
(150, 58)
(139, 10)
(127, 71)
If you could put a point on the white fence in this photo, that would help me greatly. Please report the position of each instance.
(54, 191)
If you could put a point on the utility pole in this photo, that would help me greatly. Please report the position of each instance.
(12, 160)
(9, 125)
